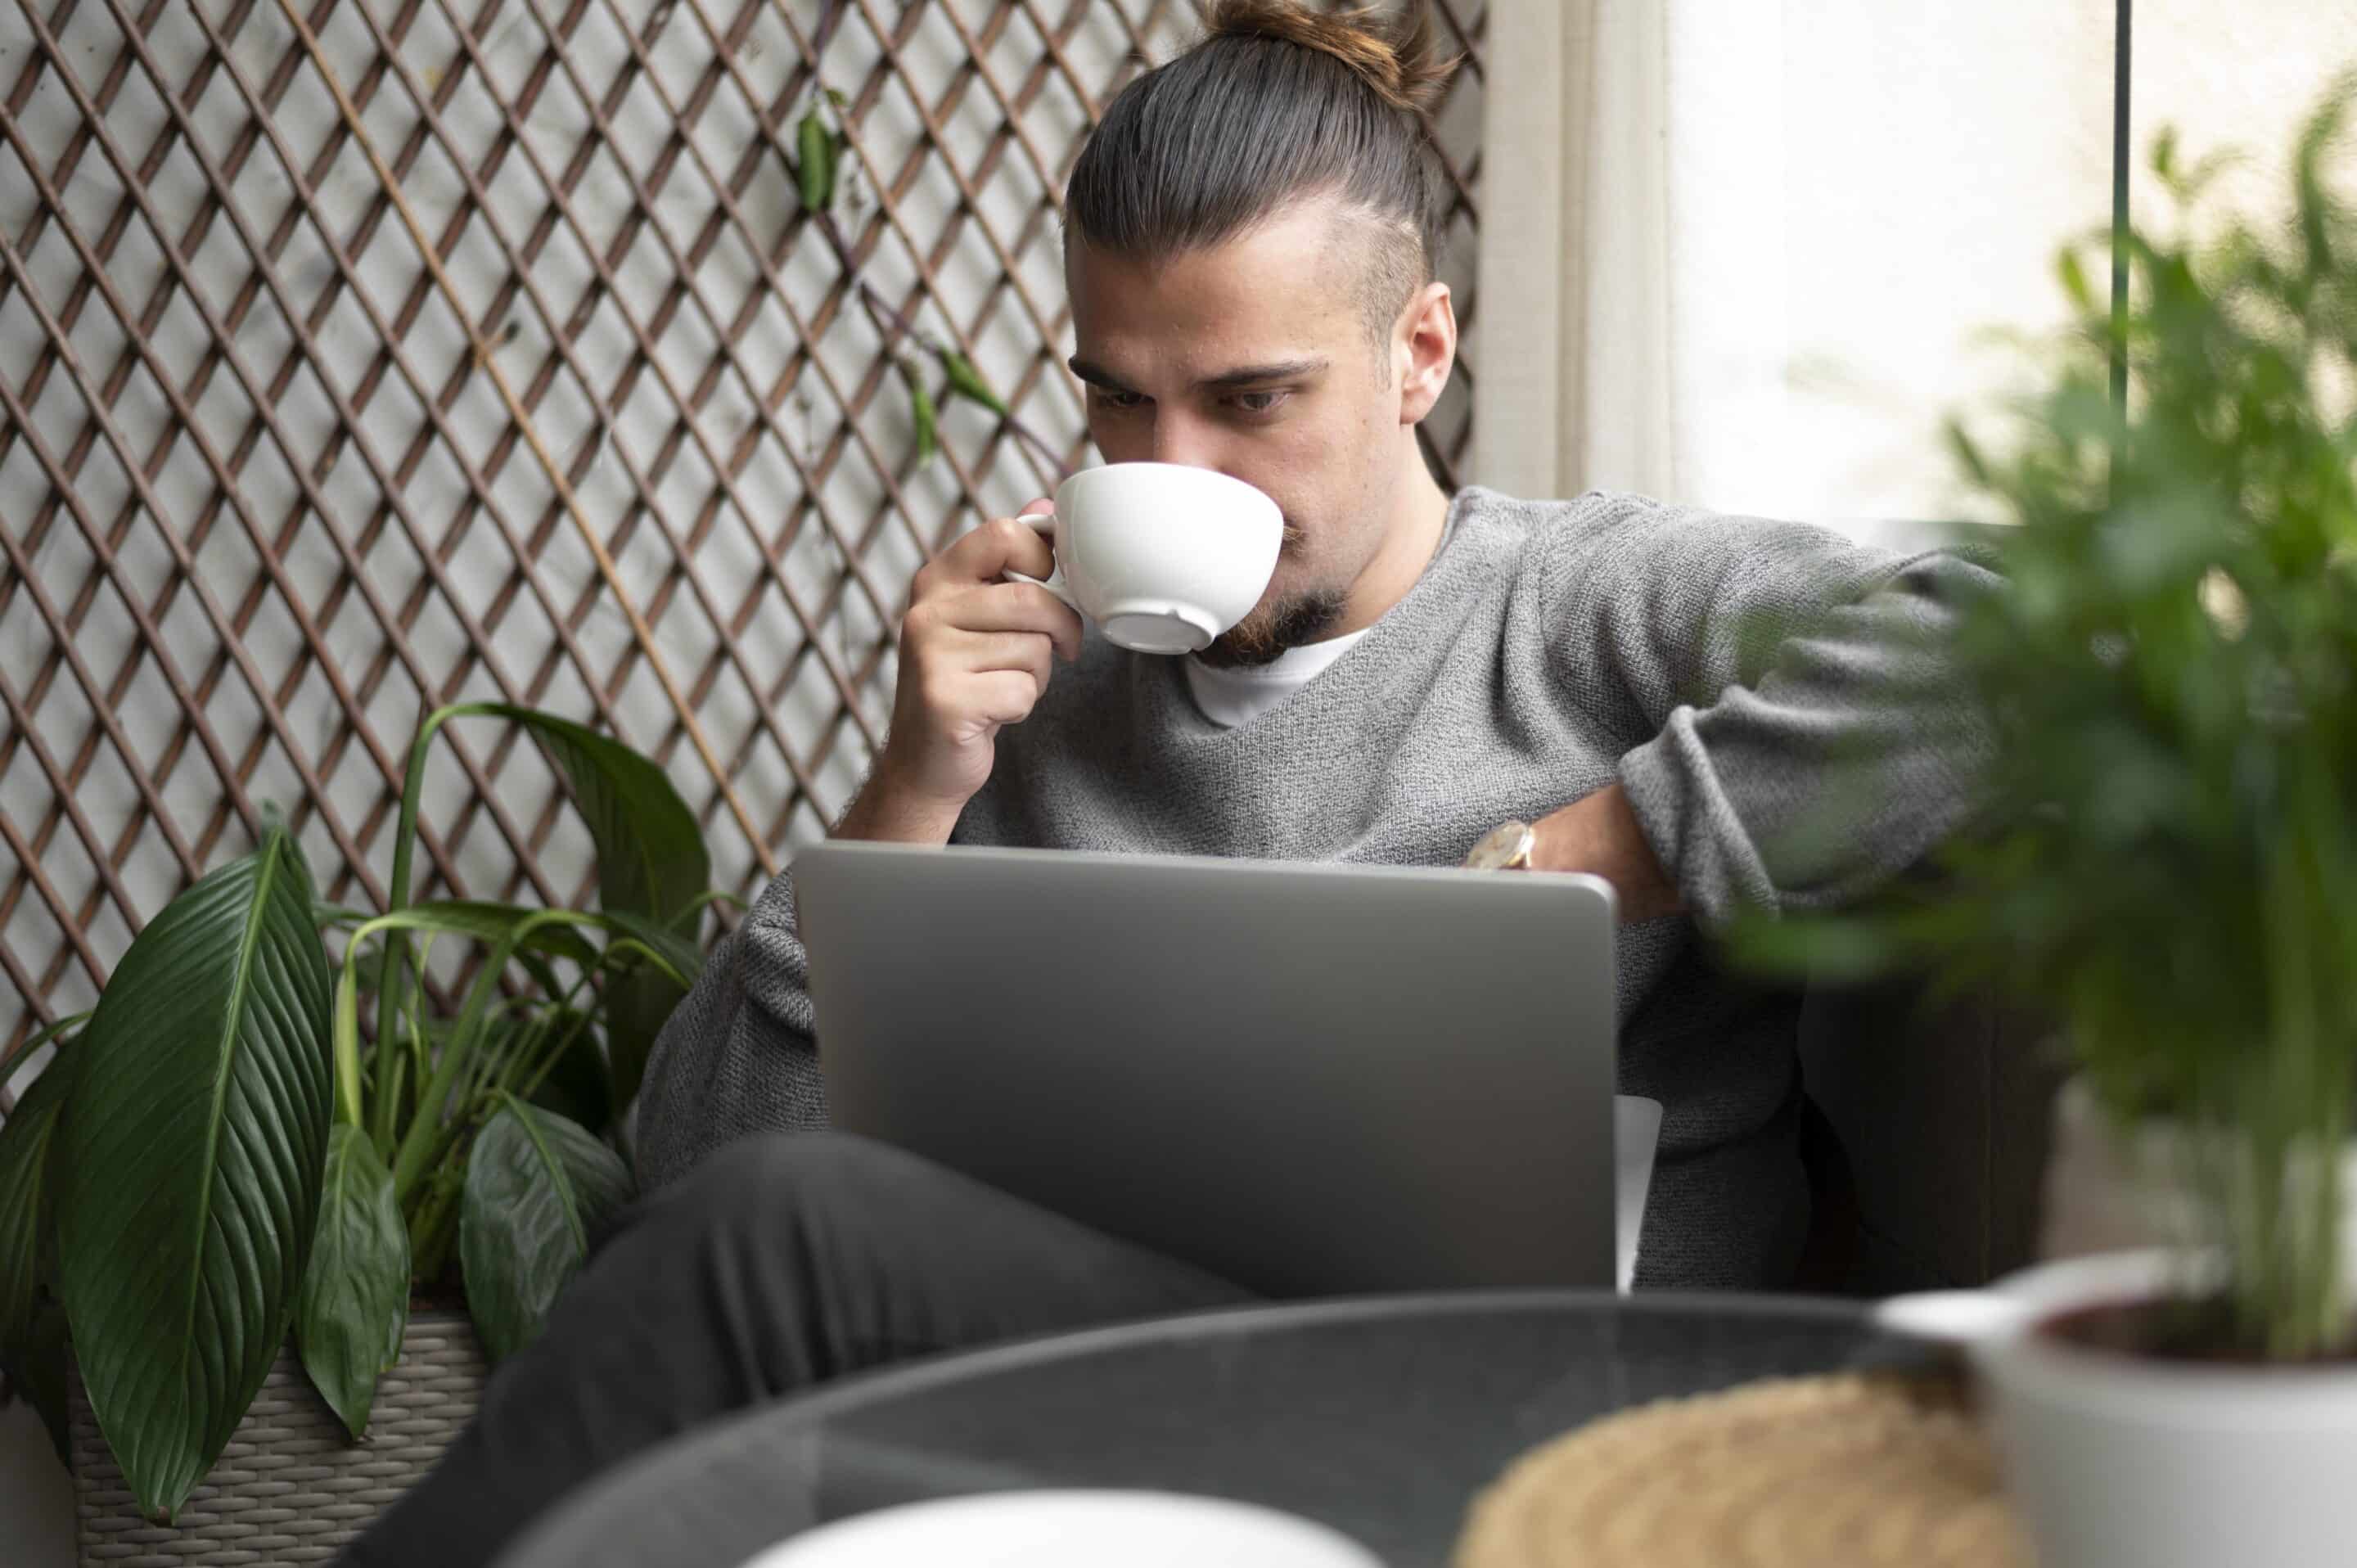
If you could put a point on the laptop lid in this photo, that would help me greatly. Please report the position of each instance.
(1307, 1079)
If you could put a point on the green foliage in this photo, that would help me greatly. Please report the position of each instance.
(2169, 866)
(816, 145)
(967, 382)
(221, 1151)
(538, 1190)
(188, 1163)
(818, 170)
(355, 1300)
(923, 415)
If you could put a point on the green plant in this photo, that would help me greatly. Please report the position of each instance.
(821, 145)
(218, 1152)
(2170, 865)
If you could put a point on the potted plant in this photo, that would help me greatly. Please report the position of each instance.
(219, 1154)
(2169, 869)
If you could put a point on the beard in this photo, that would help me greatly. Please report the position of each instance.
(1273, 628)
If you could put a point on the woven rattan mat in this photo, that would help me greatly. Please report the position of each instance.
(1848, 1471)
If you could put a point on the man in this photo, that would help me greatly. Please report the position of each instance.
(1250, 245)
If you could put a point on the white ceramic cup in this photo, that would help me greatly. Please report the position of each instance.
(1071, 1530)
(1163, 558)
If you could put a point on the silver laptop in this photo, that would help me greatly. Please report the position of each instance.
(1306, 1078)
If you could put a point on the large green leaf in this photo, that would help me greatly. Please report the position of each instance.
(189, 1162)
(641, 997)
(650, 855)
(638, 1002)
(538, 1189)
(355, 1297)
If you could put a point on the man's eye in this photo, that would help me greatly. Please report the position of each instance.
(1257, 401)
(1123, 401)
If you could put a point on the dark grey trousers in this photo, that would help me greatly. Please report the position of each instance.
(781, 1262)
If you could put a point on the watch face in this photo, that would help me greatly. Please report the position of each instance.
(1500, 848)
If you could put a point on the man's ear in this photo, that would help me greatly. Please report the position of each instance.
(1423, 351)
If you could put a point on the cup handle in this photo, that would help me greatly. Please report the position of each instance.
(1043, 523)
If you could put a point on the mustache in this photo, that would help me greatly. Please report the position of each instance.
(1293, 537)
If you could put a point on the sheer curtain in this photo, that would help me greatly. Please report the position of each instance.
(1736, 253)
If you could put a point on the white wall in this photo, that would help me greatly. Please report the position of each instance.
(1765, 267)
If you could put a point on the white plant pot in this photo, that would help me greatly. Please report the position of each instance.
(2119, 1461)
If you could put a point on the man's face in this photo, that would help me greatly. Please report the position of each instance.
(1253, 358)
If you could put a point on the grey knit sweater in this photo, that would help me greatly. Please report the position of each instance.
(1771, 695)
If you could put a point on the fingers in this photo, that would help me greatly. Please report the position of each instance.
(1003, 696)
(1022, 652)
(1015, 606)
(985, 554)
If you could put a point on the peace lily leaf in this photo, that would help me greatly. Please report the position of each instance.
(641, 998)
(650, 854)
(578, 1084)
(675, 955)
(487, 923)
(28, 1203)
(538, 1189)
(967, 382)
(355, 1297)
(639, 1002)
(188, 1164)
(39, 1037)
(816, 150)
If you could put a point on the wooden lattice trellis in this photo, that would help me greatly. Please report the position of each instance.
(361, 355)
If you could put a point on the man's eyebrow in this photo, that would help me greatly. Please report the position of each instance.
(1254, 375)
(1097, 375)
(1226, 381)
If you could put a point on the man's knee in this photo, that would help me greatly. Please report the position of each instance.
(770, 1180)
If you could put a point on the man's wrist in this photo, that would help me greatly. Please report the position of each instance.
(1599, 835)
(886, 811)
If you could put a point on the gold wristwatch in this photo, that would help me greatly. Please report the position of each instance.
(1506, 847)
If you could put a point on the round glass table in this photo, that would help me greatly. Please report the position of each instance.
(1381, 1417)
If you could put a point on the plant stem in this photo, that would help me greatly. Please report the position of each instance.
(430, 1227)
(395, 964)
(426, 1134)
(396, 1057)
(532, 1081)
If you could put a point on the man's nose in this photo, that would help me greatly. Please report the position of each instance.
(1185, 441)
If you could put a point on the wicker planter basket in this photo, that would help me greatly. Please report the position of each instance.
(291, 1487)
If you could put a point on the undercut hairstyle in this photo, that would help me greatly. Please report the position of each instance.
(1276, 103)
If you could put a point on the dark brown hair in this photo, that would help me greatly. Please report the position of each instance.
(1276, 103)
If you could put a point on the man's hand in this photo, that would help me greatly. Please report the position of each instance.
(976, 654)
(1598, 834)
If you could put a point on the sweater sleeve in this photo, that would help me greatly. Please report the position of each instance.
(738, 1055)
(1809, 733)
